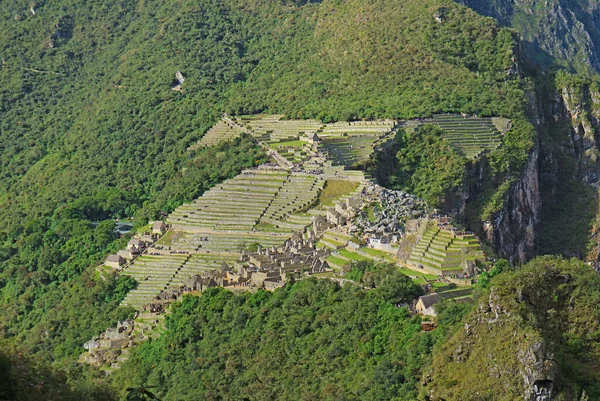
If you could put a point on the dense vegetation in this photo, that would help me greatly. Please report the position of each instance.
(427, 166)
(25, 378)
(538, 322)
(52, 301)
(309, 340)
(556, 33)
(90, 130)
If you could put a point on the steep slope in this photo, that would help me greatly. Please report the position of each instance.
(25, 378)
(534, 336)
(563, 32)
(94, 125)
(569, 166)
(309, 340)
(383, 58)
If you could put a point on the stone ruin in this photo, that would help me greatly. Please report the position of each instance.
(179, 80)
(394, 208)
(107, 347)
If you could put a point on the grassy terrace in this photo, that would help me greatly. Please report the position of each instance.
(271, 128)
(221, 131)
(200, 263)
(345, 257)
(347, 151)
(227, 242)
(167, 238)
(336, 262)
(335, 189)
(153, 275)
(443, 253)
(376, 128)
(236, 204)
(469, 136)
(330, 243)
(376, 254)
(352, 256)
(286, 144)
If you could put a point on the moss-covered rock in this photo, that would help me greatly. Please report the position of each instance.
(533, 336)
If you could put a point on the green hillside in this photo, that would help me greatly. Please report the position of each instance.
(538, 324)
(555, 32)
(26, 378)
(94, 126)
(309, 340)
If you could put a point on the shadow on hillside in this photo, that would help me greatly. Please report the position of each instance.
(569, 211)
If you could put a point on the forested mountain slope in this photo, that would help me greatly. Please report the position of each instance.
(91, 129)
(533, 335)
(561, 32)
(356, 342)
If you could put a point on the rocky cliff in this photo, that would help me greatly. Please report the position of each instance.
(569, 166)
(579, 104)
(529, 338)
(512, 231)
(556, 192)
(566, 32)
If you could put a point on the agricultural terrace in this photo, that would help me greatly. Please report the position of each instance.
(443, 252)
(264, 206)
(256, 196)
(348, 143)
(292, 151)
(335, 189)
(345, 143)
(469, 136)
(156, 273)
(272, 128)
(224, 130)
(258, 207)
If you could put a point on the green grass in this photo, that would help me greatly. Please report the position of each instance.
(167, 239)
(371, 213)
(339, 235)
(337, 261)
(421, 275)
(352, 255)
(324, 274)
(334, 242)
(411, 273)
(290, 144)
(335, 189)
(456, 289)
(262, 226)
(379, 254)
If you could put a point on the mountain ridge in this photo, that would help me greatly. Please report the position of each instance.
(92, 130)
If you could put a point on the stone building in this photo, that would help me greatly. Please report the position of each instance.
(425, 304)
(128, 254)
(137, 244)
(115, 261)
(159, 227)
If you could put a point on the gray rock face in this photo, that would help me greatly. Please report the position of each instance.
(565, 29)
(539, 372)
(513, 230)
(579, 106)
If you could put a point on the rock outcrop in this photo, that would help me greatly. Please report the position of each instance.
(568, 30)
(514, 343)
(579, 105)
(512, 231)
